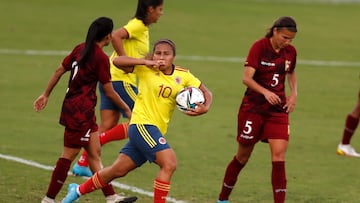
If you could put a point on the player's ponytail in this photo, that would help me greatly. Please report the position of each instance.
(98, 29)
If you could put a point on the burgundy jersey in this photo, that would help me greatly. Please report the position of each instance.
(78, 109)
(271, 69)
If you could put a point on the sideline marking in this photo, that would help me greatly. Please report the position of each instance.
(189, 58)
(117, 184)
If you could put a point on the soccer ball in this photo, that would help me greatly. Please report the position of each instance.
(188, 97)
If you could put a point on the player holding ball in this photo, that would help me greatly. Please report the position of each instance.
(159, 82)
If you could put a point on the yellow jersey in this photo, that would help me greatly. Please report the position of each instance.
(155, 102)
(136, 46)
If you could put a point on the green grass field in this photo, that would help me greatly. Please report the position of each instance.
(219, 33)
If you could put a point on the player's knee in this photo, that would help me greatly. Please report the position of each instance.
(170, 166)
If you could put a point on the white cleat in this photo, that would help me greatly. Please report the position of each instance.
(48, 200)
(347, 150)
(117, 198)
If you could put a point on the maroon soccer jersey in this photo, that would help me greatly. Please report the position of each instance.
(271, 69)
(78, 109)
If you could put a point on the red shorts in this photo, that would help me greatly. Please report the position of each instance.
(255, 127)
(78, 138)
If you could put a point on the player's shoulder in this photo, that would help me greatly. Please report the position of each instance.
(291, 48)
(181, 69)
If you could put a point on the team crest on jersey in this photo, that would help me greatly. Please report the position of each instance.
(177, 80)
(162, 140)
(287, 65)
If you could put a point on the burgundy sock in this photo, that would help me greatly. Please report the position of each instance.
(230, 178)
(108, 190)
(350, 127)
(278, 180)
(58, 177)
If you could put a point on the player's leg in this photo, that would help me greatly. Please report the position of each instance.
(278, 176)
(276, 130)
(232, 171)
(121, 166)
(110, 116)
(59, 174)
(351, 124)
(166, 159)
(247, 136)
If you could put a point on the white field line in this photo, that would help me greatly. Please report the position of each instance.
(189, 58)
(117, 184)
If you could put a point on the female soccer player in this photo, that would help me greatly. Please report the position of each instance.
(154, 105)
(88, 65)
(351, 123)
(131, 40)
(263, 114)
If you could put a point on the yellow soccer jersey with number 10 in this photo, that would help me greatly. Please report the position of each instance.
(155, 102)
(136, 46)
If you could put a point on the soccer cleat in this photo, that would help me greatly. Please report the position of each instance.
(48, 200)
(223, 201)
(72, 194)
(347, 150)
(81, 170)
(120, 199)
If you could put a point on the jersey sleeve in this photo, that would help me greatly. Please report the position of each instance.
(254, 54)
(293, 64)
(69, 59)
(135, 28)
(193, 81)
(103, 65)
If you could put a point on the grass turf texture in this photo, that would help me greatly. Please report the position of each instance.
(204, 145)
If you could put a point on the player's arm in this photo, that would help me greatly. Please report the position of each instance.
(42, 100)
(117, 40)
(116, 99)
(127, 64)
(291, 99)
(202, 108)
(248, 80)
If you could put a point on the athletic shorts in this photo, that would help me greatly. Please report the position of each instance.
(126, 91)
(78, 138)
(256, 127)
(144, 142)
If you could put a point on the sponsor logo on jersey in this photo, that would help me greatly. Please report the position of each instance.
(269, 64)
(247, 137)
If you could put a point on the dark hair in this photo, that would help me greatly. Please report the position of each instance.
(143, 5)
(284, 22)
(97, 31)
(166, 41)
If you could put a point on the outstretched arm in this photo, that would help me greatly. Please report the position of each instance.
(127, 64)
(41, 101)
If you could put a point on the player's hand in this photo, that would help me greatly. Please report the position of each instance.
(128, 113)
(154, 64)
(272, 98)
(40, 103)
(199, 110)
(290, 104)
